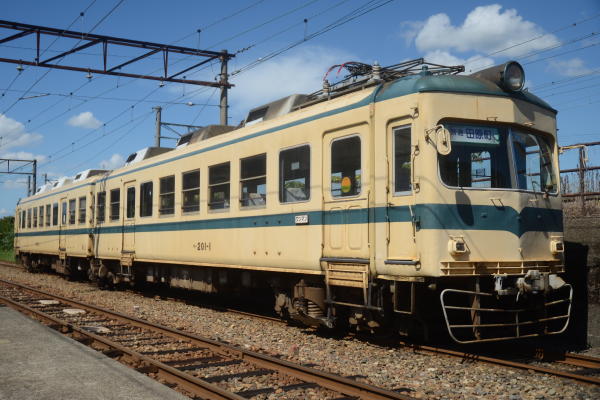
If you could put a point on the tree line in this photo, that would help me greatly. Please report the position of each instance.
(7, 233)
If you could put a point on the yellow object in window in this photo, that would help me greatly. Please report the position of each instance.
(346, 184)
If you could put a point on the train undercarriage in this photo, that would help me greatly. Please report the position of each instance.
(463, 309)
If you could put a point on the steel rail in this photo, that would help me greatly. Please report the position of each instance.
(326, 380)
(170, 374)
(510, 363)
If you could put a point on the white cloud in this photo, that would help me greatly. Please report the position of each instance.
(115, 161)
(485, 29)
(410, 29)
(13, 134)
(472, 64)
(15, 183)
(23, 155)
(85, 120)
(3, 211)
(298, 72)
(572, 67)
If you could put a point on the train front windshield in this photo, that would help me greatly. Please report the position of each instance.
(498, 158)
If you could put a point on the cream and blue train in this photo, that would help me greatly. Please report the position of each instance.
(409, 196)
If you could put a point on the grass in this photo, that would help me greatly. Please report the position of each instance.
(7, 255)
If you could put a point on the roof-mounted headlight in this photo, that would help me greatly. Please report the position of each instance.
(509, 76)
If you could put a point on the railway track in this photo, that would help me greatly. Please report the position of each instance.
(578, 367)
(583, 368)
(198, 367)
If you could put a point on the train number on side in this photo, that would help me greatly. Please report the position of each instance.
(301, 219)
(202, 246)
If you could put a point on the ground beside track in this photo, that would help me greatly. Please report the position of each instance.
(419, 375)
(7, 255)
(31, 352)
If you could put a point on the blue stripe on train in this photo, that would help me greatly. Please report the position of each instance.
(426, 216)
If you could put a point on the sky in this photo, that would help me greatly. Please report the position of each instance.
(70, 122)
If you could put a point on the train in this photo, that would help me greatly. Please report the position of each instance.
(413, 198)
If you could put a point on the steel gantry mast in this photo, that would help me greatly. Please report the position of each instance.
(151, 48)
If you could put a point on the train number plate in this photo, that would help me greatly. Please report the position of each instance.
(202, 246)
(301, 219)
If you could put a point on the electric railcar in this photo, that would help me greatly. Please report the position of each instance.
(410, 197)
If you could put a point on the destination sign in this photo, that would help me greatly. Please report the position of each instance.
(474, 134)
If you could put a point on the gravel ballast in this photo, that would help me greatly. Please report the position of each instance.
(401, 369)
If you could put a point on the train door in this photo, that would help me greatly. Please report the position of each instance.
(345, 196)
(401, 221)
(62, 234)
(128, 238)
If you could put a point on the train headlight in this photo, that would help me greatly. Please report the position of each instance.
(509, 76)
(513, 77)
(557, 246)
(457, 246)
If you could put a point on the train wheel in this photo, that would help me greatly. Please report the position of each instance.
(26, 262)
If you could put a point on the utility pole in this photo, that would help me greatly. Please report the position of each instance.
(34, 177)
(169, 125)
(158, 110)
(28, 185)
(224, 85)
(581, 173)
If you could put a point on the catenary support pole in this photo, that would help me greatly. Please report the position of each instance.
(158, 110)
(224, 82)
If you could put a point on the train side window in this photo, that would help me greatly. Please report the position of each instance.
(167, 195)
(253, 181)
(100, 207)
(402, 160)
(190, 191)
(345, 167)
(23, 219)
(115, 204)
(29, 218)
(41, 221)
(54, 214)
(218, 186)
(64, 213)
(146, 199)
(81, 211)
(35, 210)
(130, 212)
(72, 207)
(294, 174)
(48, 214)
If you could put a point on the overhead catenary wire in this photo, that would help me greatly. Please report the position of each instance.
(53, 158)
(106, 91)
(131, 80)
(563, 53)
(356, 13)
(220, 20)
(552, 84)
(577, 89)
(265, 23)
(55, 40)
(213, 92)
(60, 59)
(559, 29)
(549, 48)
(75, 96)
